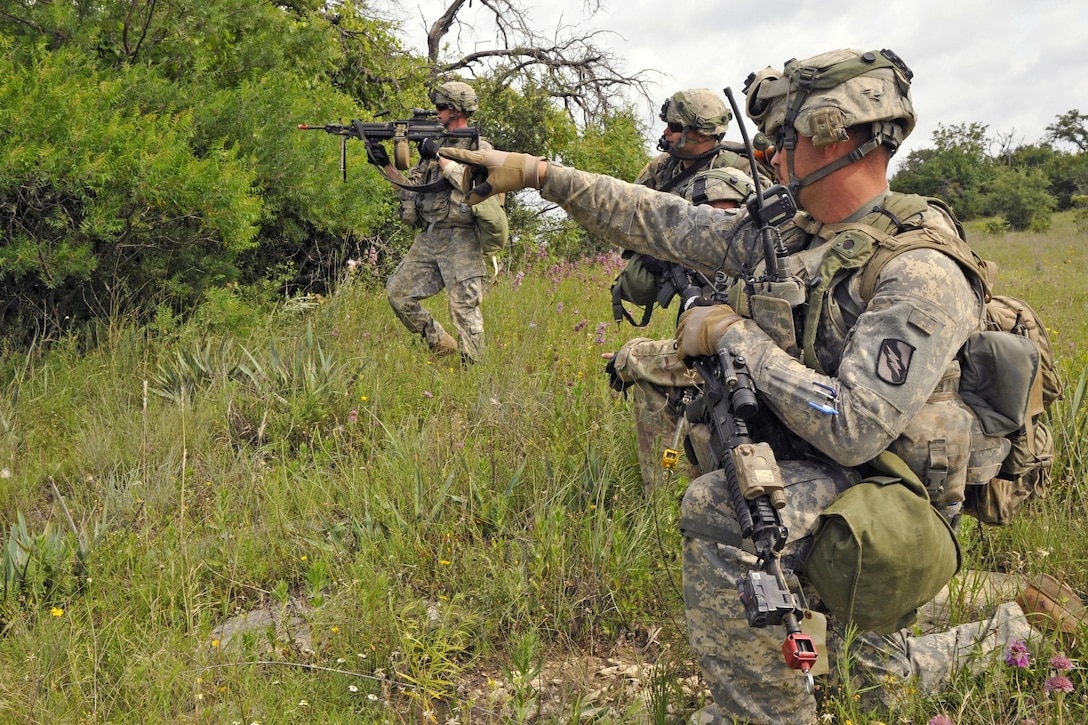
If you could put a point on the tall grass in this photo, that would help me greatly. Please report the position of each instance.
(299, 515)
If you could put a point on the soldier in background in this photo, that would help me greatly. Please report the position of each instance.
(446, 253)
(698, 165)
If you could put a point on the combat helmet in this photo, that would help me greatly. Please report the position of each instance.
(719, 184)
(699, 109)
(821, 97)
(457, 94)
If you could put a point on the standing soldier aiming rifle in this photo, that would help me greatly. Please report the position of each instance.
(449, 250)
(856, 319)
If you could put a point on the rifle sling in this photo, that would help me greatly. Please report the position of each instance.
(434, 187)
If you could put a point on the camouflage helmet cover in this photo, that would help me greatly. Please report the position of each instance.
(719, 184)
(457, 94)
(826, 94)
(698, 108)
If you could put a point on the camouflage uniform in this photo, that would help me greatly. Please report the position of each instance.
(890, 360)
(445, 253)
(659, 380)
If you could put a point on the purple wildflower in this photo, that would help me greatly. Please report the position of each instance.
(559, 307)
(1058, 683)
(517, 280)
(1017, 655)
(532, 325)
(602, 330)
(353, 416)
(941, 719)
(428, 394)
(1061, 663)
(581, 325)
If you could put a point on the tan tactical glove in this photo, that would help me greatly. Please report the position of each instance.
(505, 171)
(700, 328)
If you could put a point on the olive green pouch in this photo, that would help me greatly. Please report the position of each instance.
(881, 551)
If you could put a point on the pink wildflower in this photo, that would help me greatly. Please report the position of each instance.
(353, 416)
(1058, 683)
(1061, 663)
(1017, 655)
(428, 394)
(581, 325)
(941, 719)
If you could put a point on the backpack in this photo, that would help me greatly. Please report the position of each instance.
(1008, 377)
(638, 283)
(492, 226)
(1026, 470)
(856, 560)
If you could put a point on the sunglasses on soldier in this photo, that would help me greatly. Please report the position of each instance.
(443, 107)
(675, 127)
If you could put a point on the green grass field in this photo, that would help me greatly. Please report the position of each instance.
(297, 515)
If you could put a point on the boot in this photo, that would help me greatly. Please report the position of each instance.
(1053, 606)
(446, 345)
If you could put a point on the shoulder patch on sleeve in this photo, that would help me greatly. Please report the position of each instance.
(893, 361)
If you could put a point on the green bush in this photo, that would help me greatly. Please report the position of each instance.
(1021, 197)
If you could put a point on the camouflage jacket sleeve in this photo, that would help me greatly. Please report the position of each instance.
(660, 224)
(922, 311)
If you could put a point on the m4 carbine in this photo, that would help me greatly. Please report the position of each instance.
(421, 126)
(756, 492)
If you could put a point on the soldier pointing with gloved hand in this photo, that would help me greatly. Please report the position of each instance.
(851, 320)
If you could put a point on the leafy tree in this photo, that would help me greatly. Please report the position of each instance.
(1070, 127)
(107, 95)
(954, 170)
(1021, 197)
(1068, 174)
(100, 205)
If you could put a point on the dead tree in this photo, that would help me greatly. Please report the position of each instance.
(572, 66)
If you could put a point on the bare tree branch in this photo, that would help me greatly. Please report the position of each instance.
(574, 66)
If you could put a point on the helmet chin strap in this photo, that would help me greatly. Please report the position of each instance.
(795, 185)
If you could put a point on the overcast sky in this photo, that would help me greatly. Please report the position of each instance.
(1014, 66)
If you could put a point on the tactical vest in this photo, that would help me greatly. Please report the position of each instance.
(443, 207)
(864, 247)
(1007, 380)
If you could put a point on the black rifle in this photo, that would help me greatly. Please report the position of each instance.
(752, 477)
(421, 126)
(679, 281)
(756, 491)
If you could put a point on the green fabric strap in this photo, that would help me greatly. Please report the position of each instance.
(850, 249)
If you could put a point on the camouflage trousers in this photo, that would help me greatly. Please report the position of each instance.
(743, 666)
(659, 381)
(442, 258)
